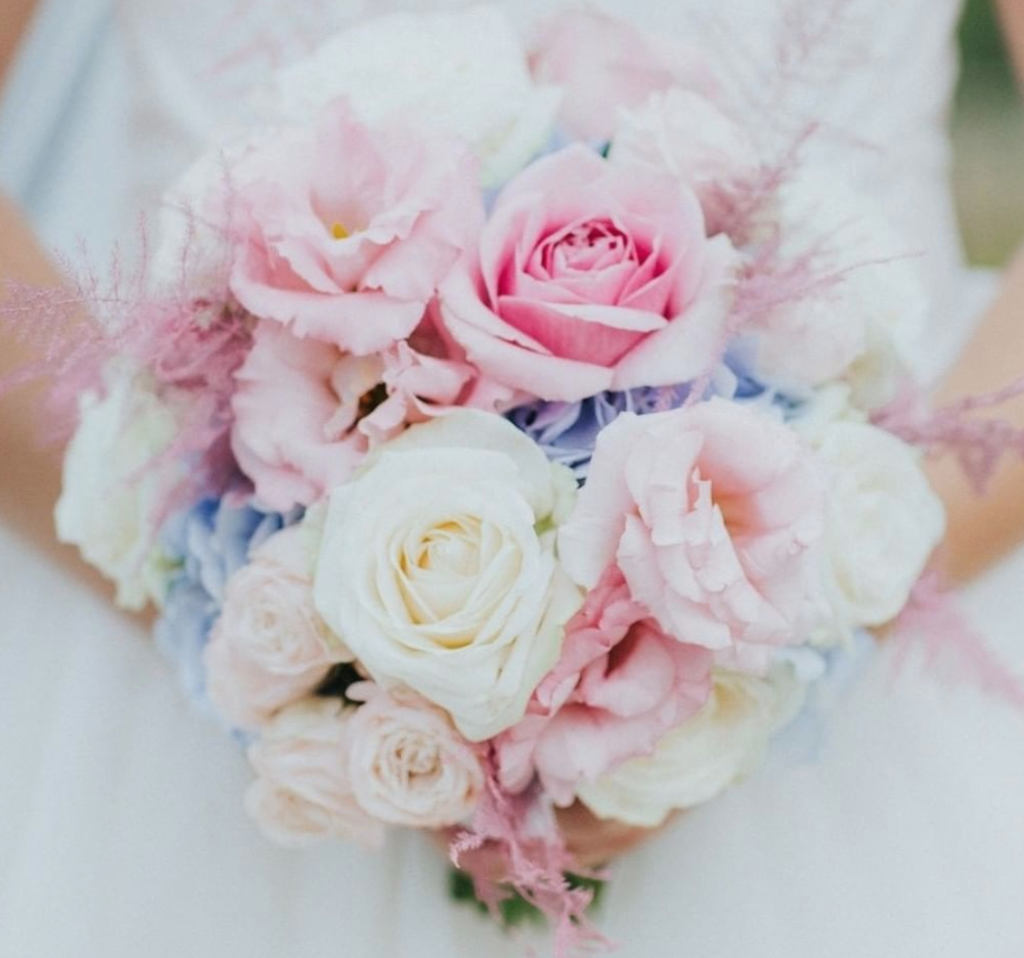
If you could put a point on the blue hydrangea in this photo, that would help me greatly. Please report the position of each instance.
(211, 541)
(829, 675)
(567, 431)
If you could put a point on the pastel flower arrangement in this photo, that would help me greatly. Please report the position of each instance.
(545, 433)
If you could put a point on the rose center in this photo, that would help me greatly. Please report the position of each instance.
(452, 549)
(595, 245)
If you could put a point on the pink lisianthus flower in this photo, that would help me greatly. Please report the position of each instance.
(606, 66)
(591, 276)
(621, 683)
(714, 513)
(345, 232)
(306, 412)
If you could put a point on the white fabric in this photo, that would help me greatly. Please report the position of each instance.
(122, 832)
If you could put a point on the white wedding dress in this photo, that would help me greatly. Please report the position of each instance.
(122, 833)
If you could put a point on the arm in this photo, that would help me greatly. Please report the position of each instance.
(29, 476)
(981, 529)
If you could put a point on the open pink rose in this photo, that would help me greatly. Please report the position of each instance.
(269, 647)
(714, 514)
(306, 412)
(607, 65)
(621, 683)
(345, 232)
(591, 276)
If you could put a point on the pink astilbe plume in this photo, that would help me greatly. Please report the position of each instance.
(772, 276)
(190, 346)
(70, 333)
(515, 843)
(815, 43)
(934, 627)
(979, 444)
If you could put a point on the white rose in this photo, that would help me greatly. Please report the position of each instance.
(686, 135)
(866, 325)
(269, 647)
(830, 404)
(725, 741)
(437, 567)
(303, 791)
(114, 490)
(462, 72)
(409, 765)
(882, 524)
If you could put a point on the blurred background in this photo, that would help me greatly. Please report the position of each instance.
(988, 137)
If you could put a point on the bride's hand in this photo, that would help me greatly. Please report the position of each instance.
(593, 841)
(596, 841)
(30, 478)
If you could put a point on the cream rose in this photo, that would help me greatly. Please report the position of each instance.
(866, 326)
(686, 135)
(409, 765)
(303, 791)
(437, 567)
(463, 72)
(698, 760)
(269, 647)
(111, 499)
(882, 522)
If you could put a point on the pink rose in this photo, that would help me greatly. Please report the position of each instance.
(269, 647)
(606, 66)
(714, 514)
(303, 792)
(345, 232)
(591, 276)
(621, 683)
(306, 413)
(409, 765)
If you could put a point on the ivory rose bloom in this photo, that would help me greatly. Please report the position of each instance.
(269, 648)
(694, 763)
(607, 66)
(345, 232)
(303, 791)
(591, 276)
(437, 567)
(306, 413)
(714, 515)
(462, 71)
(619, 686)
(113, 490)
(409, 765)
(882, 525)
(866, 325)
(686, 135)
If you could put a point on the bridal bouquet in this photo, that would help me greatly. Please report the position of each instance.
(498, 432)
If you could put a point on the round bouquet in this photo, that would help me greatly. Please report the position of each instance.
(499, 433)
